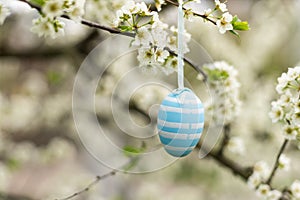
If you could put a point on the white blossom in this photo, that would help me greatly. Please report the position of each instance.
(296, 119)
(254, 180)
(189, 14)
(224, 24)
(159, 3)
(296, 103)
(4, 13)
(172, 40)
(284, 162)
(75, 12)
(143, 9)
(146, 56)
(286, 99)
(224, 88)
(155, 57)
(262, 169)
(135, 8)
(207, 12)
(53, 8)
(159, 37)
(119, 18)
(171, 65)
(221, 6)
(282, 83)
(47, 27)
(263, 191)
(276, 113)
(104, 11)
(286, 109)
(129, 7)
(295, 189)
(274, 195)
(290, 132)
(236, 145)
(156, 22)
(161, 55)
(143, 37)
(293, 73)
(129, 13)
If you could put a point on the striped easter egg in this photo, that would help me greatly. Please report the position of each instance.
(180, 122)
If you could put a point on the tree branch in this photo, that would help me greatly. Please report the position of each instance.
(276, 165)
(225, 139)
(219, 157)
(235, 168)
(119, 32)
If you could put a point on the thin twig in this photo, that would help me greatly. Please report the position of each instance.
(172, 3)
(132, 162)
(4, 196)
(105, 28)
(91, 185)
(286, 194)
(196, 14)
(276, 165)
(98, 178)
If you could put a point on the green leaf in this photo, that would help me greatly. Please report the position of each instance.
(132, 151)
(241, 26)
(125, 28)
(54, 77)
(133, 162)
(13, 164)
(38, 2)
(217, 75)
(235, 19)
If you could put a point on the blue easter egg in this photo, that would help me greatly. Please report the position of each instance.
(180, 122)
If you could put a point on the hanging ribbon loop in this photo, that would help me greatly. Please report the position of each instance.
(180, 45)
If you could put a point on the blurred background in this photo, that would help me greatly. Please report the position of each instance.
(41, 156)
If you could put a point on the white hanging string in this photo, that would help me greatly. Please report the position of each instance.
(180, 45)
